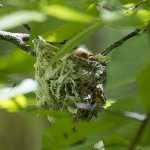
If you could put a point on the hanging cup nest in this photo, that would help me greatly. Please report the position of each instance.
(74, 83)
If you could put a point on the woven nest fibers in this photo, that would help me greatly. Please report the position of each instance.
(73, 83)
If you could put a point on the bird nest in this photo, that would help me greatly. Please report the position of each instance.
(73, 83)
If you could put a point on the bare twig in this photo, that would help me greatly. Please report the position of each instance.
(135, 6)
(19, 40)
(139, 132)
(130, 35)
(120, 42)
(27, 27)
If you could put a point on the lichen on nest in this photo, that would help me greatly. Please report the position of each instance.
(73, 83)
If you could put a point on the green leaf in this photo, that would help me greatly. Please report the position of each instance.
(143, 86)
(54, 29)
(144, 141)
(43, 28)
(106, 126)
(136, 18)
(118, 128)
(19, 17)
(126, 62)
(66, 13)
(63, 31)
(14, 104)
(130, 1)
(121, 90)
(11, 64)
(113, 125)
(56, 136)
(17, 3)
(95, 25)
(130, 104)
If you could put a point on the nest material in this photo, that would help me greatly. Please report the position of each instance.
(74, 84)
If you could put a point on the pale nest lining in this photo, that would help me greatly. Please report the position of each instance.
(72, 83)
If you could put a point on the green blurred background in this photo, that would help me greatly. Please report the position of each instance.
(23, 130)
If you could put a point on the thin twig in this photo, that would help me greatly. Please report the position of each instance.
(120, 42)
(130, 35)
(139, 132)
(19, 40)
(135, 6)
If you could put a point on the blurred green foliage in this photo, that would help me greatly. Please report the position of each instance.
(128, 73)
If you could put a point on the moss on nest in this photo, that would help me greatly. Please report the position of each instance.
(72, 83)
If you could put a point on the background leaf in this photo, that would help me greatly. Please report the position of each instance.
(18, 18)
(127, 83)
(77, 39)
(65, 13)
(127, 61)
(135, 18)
(143, 86)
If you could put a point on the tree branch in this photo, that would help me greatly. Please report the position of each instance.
(120, 42)
(19, 40)
(136, 6)
(139, 132)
